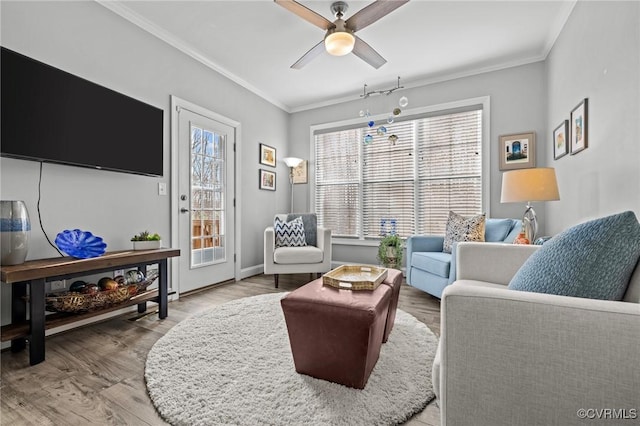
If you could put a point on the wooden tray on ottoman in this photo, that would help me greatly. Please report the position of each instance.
(355, 277)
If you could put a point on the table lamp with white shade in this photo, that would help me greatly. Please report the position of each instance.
(536, 184)
(292, 163)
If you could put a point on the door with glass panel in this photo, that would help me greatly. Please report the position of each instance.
(206, 192)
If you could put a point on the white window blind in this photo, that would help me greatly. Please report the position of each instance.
(337, 178)
(435, 166)
(388, 181)
(449, 169)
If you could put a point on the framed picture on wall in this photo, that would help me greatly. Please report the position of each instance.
(518, 151)
(579, 123)
(267, 155)
(560, 140)
(267, 180)
(300, 174)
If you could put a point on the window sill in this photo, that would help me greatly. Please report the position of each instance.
(354, 242)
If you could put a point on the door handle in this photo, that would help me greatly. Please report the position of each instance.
(184, 210)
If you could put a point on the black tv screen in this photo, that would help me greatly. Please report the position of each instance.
(50, 115)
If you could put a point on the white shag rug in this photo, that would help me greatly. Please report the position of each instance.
(232, 365)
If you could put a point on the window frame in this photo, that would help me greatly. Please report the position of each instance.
(448, 107)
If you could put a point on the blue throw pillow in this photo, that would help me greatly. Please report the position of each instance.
(496, 230)
(593, 260)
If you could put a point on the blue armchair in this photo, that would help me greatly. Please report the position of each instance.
(431, 270)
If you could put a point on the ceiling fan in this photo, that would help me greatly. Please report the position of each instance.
(340, 38)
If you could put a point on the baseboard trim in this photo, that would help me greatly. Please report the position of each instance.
(251, 271)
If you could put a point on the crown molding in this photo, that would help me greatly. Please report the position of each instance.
(123, 11)
(558, 26)
(426, 81)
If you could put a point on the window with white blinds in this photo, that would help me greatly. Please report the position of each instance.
(408, 187)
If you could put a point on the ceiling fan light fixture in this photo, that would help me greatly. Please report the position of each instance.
(339, 43)
(339, 38)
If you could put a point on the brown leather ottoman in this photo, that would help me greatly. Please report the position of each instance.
(394, 280)
(336, 334)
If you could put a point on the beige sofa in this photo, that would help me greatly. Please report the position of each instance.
(518, 358)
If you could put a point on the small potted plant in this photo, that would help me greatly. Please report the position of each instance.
(146, 241)
(390, 251)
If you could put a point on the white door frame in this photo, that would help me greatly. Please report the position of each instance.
(177, 103)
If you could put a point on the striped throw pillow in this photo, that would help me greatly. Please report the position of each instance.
(289, 234)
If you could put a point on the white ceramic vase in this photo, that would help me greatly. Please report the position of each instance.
(15, 230)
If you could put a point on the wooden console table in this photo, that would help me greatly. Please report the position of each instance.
(35, 273)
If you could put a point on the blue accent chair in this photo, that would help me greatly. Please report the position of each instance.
(431, 270)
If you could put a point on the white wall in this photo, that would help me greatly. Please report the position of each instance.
(90, 41)
(517, 105)
(597, 56)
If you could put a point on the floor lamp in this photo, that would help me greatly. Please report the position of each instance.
(537, 184)
(292, 163)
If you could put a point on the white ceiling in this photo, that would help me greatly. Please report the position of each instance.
(255, 42)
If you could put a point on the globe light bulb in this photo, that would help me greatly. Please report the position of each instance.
(339, 43)
(403, 102)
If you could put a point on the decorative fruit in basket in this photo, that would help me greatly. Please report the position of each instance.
(91, 289)
(77, 286)
(107, 283)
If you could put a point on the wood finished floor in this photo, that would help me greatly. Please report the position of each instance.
(95, 374)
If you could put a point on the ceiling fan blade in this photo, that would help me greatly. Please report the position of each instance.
(371, 13)
(309, 56)
(306, 13)
(365, 52)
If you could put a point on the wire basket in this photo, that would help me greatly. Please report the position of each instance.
(74, 302)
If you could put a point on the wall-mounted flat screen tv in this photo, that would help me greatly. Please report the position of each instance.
(52, 116)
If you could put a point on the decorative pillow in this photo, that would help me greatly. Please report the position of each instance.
(593, 260)
(496, 230)
(310, 222)
(289, 234)
(460, 228)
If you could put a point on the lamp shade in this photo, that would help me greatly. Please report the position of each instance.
(339, 43)
(292, 161)
(537, 184)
